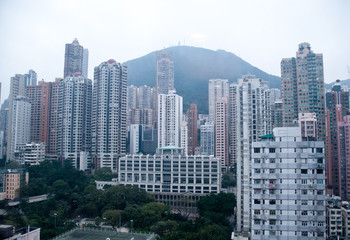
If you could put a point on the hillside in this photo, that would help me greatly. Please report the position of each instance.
(193, 69)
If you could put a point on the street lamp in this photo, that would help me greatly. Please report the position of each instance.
(132, 224)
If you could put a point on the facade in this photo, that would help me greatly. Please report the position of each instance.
(73, 58)
(53, 123)
(334, 222)
(345, 220)
(74, 128)
(169, 119)
(40, 99)
(17, 88)
(249, 118)
(218, 89)
(85, 62)
(109, 114)
(207, 139)
(165, 73)
(13, 180)
(221, 131)
(21, 115)
(140, 105)
(340, 176)
(303, 91)
(30, 154)
(149, 139)
(171, 175)
(276, 112)
(30, 78)
(184, 136)
(2, 141)
(192, 116)
(135, 131)
(288, 187)
(337, 104)
(308, 125)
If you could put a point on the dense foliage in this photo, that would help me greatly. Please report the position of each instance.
(73, 196)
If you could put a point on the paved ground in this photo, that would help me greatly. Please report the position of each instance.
(88, 234)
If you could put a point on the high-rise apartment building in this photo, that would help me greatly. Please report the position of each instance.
(250, 118)
(109, 113)
(192, 116)
(288, 187)
(75, 59)
(30, 78)
(221, 131)
(303, 87)
(207, 139)
(340, 177)
(74, 128)
(21, 114)
(218, 89)
(53, 123)
(169, 119)
(337, 104)
(165, 73)
(17, 88)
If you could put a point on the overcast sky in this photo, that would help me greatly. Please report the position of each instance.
(33, 33)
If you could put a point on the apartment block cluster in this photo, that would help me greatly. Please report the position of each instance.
(289, 147)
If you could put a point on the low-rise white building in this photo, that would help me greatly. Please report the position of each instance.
(172, 176)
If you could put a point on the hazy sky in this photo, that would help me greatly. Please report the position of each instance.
(33, 33)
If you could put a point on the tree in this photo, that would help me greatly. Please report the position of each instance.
(112, 216)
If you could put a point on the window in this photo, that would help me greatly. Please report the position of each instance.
(256, 150)
(272, 212)
(272, 150)
(257, 212)
(319, 150)
(303, 171)
(304, 213)
(304, 234)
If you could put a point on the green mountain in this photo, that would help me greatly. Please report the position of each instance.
(193, 69)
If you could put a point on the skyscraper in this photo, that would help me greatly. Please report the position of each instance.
(221, 131)
(218, 89)
(30, 78)
(20, 123)
(75, 119)
(17, 88)
(303, 87)
(207, 139)
(165, 73)
(340, 178)
(337, 104)
(288, 187)
(251, 119)
(192, 116)
(75, 60)
(109, 113)
(169, 119)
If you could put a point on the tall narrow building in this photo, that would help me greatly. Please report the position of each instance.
(221, 131)
(337, 104)
(109, 114)
(75, 59)
(169, 119)
(303, 90)
(249, 119)
(207, 139)
(218, 89)
(20, 123)
(74, 138)
(192, 116)
(165, 72)
(17, 88)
